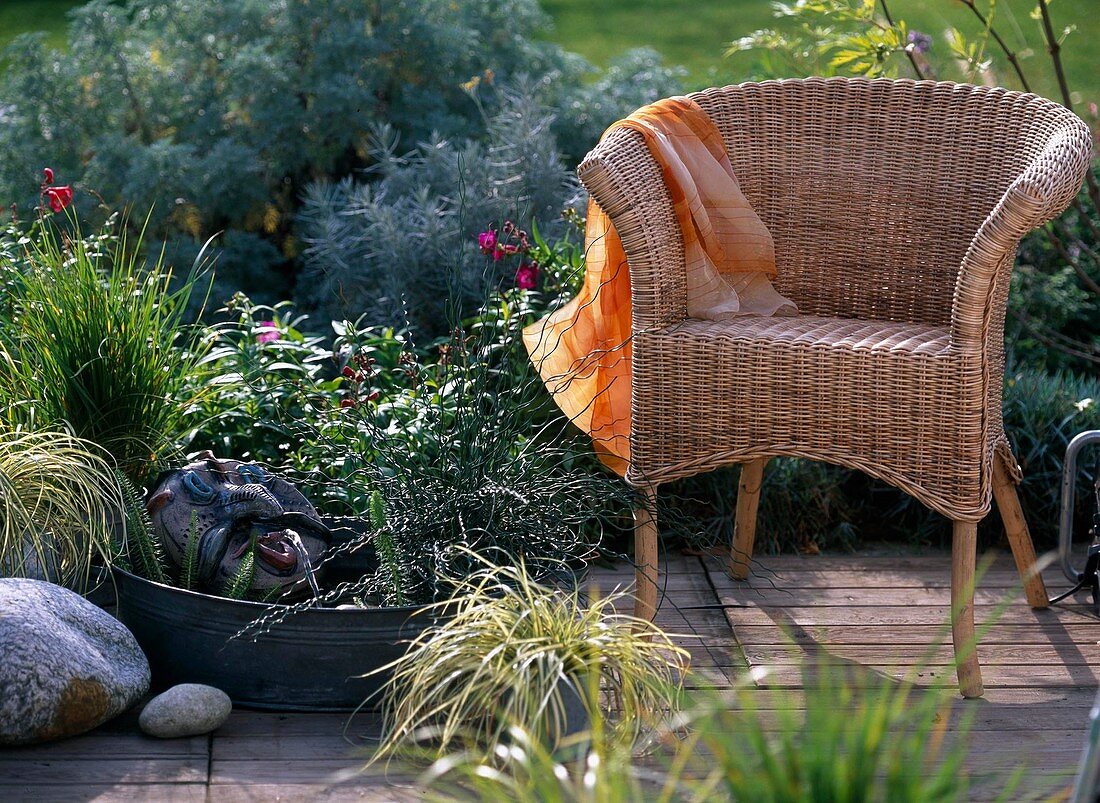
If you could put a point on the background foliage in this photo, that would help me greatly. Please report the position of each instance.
(357, 178)
(694, 34)
(220, 115)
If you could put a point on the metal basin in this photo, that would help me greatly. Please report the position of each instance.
(309, 662)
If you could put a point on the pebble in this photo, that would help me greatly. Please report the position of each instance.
(189, 709)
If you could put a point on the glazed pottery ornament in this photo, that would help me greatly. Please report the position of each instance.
(234, 508)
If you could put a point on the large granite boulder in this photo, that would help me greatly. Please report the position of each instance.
(65, 665)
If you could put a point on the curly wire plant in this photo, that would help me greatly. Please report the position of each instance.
(512, 652)
(58, 501)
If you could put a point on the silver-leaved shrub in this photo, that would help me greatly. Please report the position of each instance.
(220, 114)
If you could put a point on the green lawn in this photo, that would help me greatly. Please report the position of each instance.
(695, 32)
(21, 16)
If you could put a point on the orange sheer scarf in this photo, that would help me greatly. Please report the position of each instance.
(583, 350)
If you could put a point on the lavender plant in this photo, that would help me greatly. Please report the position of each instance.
(389, 247)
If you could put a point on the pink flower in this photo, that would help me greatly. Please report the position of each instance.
(527, 277)
(487, 241)
(269, 333)
(59, 197)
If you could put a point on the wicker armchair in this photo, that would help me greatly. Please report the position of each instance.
(896, 208)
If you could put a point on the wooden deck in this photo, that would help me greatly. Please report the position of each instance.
(1040, 668)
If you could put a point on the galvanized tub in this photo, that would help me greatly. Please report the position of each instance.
(309, 662)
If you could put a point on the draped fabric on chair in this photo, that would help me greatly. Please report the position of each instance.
(583, 351)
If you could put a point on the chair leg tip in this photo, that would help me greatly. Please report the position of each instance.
(972, 692)
(970, 681)
(738, 570)
(1037, 596)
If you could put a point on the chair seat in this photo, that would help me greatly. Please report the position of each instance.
(896, 400)
(830, 333)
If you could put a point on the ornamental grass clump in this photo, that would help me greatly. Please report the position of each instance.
(96, 342)
(849, 736)
(511, 650)
(58, 501)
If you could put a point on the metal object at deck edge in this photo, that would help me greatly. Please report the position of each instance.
(1069, 494)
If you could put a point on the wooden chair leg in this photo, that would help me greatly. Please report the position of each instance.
(645, 556)
(964, 548)
(744, 522)
(1023, 550)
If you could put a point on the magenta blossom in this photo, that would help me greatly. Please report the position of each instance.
(487, 241)
(269, 333)
(527, 277)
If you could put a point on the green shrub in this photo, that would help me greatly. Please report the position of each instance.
(804, 506)
(219, 114)
(1042, 414)
(258, 371)
(1054, 307)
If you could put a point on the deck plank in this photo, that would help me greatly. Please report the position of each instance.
(102, 770)
(107, 793)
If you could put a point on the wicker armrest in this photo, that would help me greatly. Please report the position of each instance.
(622, 177)
(1045, 187)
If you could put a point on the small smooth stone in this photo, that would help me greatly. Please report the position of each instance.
(66, 666)
(189, 709)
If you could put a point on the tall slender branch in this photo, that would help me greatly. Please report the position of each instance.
(908, 52)
(1054, 48)
(1010, 54)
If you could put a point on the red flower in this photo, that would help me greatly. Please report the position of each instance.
(59, 197)
(527, 277)
(49, 175)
